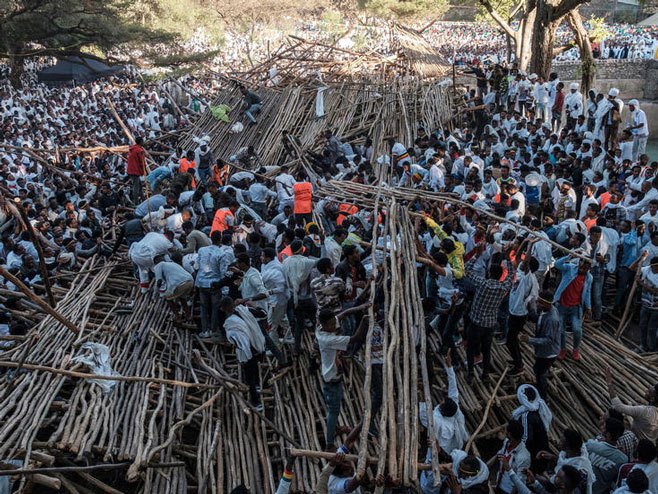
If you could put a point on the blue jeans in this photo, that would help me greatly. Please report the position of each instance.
(156, 176)
(204, 175)
(648, 328)
(333, 396)
(251, 110)
(575, 315)
(624, 280)
(598, 275)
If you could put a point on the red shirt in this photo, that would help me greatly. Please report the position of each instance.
(559, 101)
(136, 160)
(572, 294)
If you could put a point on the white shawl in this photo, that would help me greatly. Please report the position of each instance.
(483, 476)
(581, 463)
(531, 406)
(243, 331)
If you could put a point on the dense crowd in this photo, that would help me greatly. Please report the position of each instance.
(277, 271)
(458, 42)
(466, 42)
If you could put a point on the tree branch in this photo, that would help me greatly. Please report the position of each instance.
(498, 18)
(565, 7)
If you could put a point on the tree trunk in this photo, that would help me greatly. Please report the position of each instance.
(17, 69)
(524, 40)
(543, 39)
(587, 59)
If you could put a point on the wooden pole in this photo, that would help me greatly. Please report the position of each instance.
(47, 308)
(323, 455)
(486, 411)
(6, 468)
(42, 261)
(629, 303)
(85, 375)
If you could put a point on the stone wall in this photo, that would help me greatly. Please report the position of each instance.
(606, 69)
(634, 79)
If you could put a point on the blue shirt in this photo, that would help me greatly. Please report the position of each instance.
(155, 202)
(213, 262)
(630, 248)
(569, 273)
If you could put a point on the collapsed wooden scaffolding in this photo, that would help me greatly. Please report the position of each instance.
(177, 419)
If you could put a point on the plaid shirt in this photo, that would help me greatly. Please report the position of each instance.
(489, 294)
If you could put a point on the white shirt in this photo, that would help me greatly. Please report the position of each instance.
(523, 293)
(640, 118)
(259, 192)
(330, 344)
(574, 104)
(333, 250)
(172, 276)
(284, 186)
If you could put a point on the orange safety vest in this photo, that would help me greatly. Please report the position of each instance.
(185, 165)
(220, 175)
(589, 222)
(219, 221)
(287, 252)
(303, 192)
(497, 200)
(604, 199)
(345, 210)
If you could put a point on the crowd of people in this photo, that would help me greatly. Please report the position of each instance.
(564, 203)
(466, 42)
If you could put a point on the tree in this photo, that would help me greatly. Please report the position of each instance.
(405, 9)
(66, 27)
(538, 22)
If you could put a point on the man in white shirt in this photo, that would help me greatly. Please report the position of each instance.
(174, 284)
(522, 296)
(515, 454)
(331, 343)
(639, 128)
(541, 95)
(333, 245)
(573, 105)
(258, 195)
(284, 188)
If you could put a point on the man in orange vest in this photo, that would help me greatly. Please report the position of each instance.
(345, 210)
(188, 163)
(303, 205)
(224, 218)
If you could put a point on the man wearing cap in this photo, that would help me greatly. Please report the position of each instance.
(639, 128)
(573, 105)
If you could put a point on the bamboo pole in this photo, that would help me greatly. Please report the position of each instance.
(6, 470)
(44, 306)
(486, 411)
(85, 375)
(324, 455)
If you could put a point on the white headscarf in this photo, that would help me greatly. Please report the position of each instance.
(483, 475)
(538, 404)
(581, 463)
